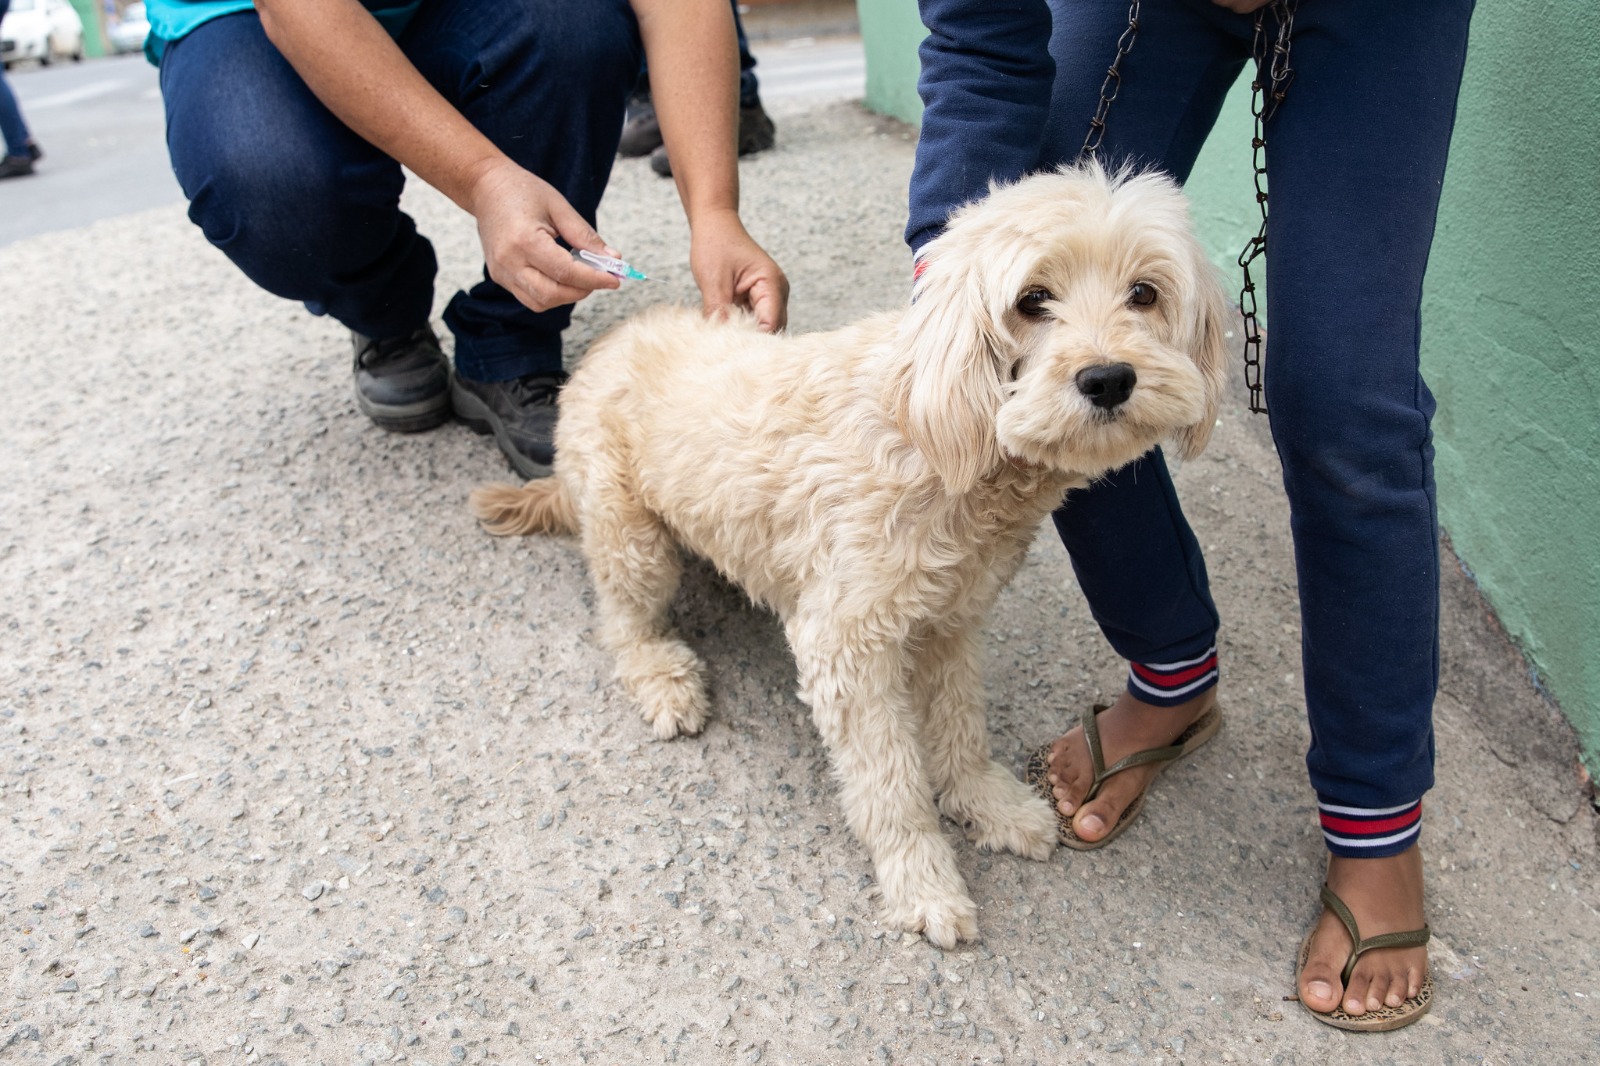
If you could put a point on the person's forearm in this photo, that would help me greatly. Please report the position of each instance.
(360, 74)
(693, 55)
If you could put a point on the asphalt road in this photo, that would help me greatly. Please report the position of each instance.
(101, 125)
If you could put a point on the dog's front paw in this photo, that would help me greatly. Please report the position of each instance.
(1000, 813)
(944, 922)
(668, 681)
(923, 892)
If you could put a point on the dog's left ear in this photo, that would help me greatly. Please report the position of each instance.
(1205, 339)
(949, 390)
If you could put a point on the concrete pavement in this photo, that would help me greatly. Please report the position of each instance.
(298, 766)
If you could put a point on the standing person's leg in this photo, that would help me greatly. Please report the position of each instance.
(546, 81)
(306, 208)
(18, 159)
(1355, 161)
(21, 152)
(1136, 559)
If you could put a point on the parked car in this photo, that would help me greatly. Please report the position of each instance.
(128, 30)
(42, 30)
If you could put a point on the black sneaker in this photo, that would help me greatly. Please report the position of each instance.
(756, 134)
(402, 383)
(521, 413)
(35, 153)
(15, 166)
(641, 133)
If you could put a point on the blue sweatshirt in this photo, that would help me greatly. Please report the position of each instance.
(985, 86)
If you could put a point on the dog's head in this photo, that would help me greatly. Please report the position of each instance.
(1069, 321)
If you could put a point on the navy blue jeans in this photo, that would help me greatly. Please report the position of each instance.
(1355, 158)
(311, 212)
(12, 129)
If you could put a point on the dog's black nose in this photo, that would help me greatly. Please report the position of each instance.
(1108, 384)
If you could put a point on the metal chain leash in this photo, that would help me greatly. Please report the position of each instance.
(1112, 85)
(1267, 90)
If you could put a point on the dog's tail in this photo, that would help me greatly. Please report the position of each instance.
(542, 506)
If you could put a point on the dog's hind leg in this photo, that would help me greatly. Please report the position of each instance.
(997, 811)
(636, 566)
(854, 678)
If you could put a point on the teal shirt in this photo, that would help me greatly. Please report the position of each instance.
(170, 20)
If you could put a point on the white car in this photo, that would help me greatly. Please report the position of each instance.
(128, 31)
(42, 30)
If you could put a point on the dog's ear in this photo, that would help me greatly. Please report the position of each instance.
(1204, 330)
(949, 390)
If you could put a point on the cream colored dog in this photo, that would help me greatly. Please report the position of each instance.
(878, 485)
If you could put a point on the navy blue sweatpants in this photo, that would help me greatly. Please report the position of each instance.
(1355, 158)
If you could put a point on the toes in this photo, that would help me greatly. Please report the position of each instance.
(1320, 984)
(1067, 778)
(1096, 819)
(1404, 983)
(1318, 992)
(1360, 995)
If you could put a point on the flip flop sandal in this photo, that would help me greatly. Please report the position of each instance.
(1038, 772)
(1384, 1018)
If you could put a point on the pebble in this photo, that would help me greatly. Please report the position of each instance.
(313, 890)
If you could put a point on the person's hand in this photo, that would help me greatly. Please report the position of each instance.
(519, 217)
(1243, 7)
(733, 271)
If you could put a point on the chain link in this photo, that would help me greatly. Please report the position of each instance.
(1267, 90)
(1112, 85)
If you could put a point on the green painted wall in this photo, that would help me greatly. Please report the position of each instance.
(1511, 338)
(94, 42)
(891, 31)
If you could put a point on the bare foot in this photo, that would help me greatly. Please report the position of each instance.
(1385, 896)
(1126, 726)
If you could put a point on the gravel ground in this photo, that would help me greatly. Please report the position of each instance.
(298, 766)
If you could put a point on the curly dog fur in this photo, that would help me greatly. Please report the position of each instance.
(878, 485)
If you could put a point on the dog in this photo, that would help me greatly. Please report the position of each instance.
(878, 485)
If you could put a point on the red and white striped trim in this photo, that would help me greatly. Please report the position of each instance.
(1164, 683)
(1366, 828)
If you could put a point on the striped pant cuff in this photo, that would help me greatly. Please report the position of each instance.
(1169, 684)
(1370, 832)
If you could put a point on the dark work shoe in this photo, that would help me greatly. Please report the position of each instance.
(641, 133)
(15, 166)
(756, 134)
(756, 131)
(402, 383)
(521, 413)
(35, 153)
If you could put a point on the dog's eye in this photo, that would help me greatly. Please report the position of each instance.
(1033, 301)
(1143, 294)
